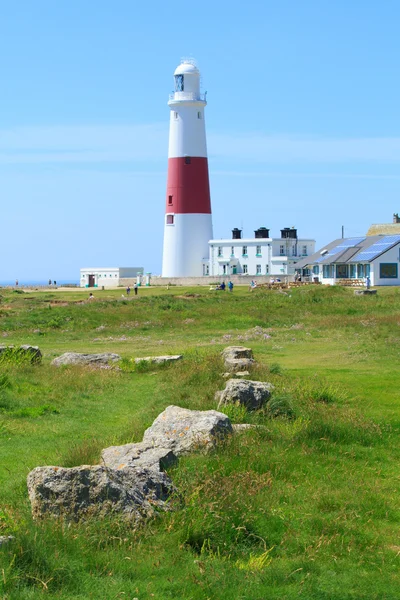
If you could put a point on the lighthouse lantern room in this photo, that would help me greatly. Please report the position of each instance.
(188, 222)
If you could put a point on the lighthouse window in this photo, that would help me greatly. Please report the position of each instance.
(175, 115)
(187, 160)
(170, 219)
(169, 199)
(199, 115)
(179, 85)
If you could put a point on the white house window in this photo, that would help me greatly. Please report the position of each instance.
(245, 269)
(282, 250)
(304, 250)
(220, 251)
(244, 251)
(360, 271)
(258, 269)
(266, 269)
(232, 250)
(115, 275)
(170, 219)
(258, 250)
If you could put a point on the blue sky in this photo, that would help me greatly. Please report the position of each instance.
(302, 122)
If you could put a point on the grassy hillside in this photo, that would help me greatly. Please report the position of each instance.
(306, 506)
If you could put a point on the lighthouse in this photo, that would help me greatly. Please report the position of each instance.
(188, 222)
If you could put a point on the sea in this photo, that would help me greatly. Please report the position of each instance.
(38, 283)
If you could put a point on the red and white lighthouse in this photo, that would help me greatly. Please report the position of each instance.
(188, 223)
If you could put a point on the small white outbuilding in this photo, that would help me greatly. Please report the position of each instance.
(107, 276)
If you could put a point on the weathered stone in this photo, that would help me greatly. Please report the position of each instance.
(185, 430)
(236, 352)
(158, 360)
(75, 358)
(32, 353)
(141, 454)
(237, 358)
(238, 374)
(6, 539)
(251, 394)
(88, 491)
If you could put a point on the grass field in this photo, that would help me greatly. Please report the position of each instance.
(307, 506)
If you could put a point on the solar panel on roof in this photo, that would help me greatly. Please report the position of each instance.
(376, 249)
(344, 245)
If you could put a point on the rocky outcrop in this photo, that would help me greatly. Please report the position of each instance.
(251, 394)
(159, 360)
(24, 352)
(96, 360)
(131, 480)
(185, 431)
(88, 491)
(237, 358)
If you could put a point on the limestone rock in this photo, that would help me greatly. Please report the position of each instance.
(237, 358)
(184, 430)
(97, 491)
(251, 394)
(141, 454)
(158, 360)
(75, 358)
(32, 353)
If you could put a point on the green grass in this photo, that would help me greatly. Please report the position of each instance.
(307, 505)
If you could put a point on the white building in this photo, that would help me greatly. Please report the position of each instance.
(107, 277)
(373, 256)
(260, 255)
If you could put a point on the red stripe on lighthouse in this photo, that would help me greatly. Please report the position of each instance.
(188, 187)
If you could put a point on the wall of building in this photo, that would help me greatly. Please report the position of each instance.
(391, 257)
(264, 256)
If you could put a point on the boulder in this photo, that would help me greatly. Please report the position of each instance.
(159, 360)
(184, 431)
(31, 353)
(251, 394)
(237, 358)
(141, 454)
(88, 491)
(75, 358)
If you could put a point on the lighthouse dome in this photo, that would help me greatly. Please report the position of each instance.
(187, 67)
(187, 80)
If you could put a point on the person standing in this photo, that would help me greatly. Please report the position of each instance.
(135, 287)
(368, 282)
(230, 286)
(128, 290)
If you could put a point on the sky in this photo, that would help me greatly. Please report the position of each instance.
(302, 123)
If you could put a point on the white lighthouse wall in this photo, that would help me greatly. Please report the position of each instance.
(186, 245)
(187, 133)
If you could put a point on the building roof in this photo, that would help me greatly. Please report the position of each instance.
(384, 229)
(351, 250)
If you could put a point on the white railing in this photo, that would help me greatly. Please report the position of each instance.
(188, 96)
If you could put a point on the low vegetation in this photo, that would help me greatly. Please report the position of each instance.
(304, 505)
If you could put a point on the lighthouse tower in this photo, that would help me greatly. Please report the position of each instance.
(188, 224)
